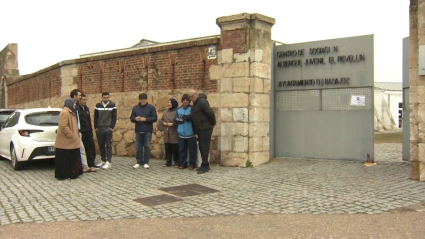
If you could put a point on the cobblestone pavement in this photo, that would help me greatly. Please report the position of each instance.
(388, 152)
(283, 186)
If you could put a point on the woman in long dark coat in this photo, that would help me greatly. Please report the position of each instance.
(67, 144)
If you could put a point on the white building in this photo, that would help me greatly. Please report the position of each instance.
(388, 96)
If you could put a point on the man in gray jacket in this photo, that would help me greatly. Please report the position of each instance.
(105, 118)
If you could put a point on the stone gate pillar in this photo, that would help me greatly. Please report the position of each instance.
(417, 91)
(8, 69)
(243, 72)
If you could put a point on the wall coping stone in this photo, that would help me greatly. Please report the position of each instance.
(244, 16)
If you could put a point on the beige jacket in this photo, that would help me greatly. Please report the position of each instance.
(170, 132)
(67, 136)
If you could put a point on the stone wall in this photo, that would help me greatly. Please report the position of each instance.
(123, 135)
(244, 73)
(417, 91)
(162, 72)
(8, 69)
(237, 84)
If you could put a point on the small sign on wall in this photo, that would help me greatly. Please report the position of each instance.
(211, 53)
(422, 60)
(358, 100)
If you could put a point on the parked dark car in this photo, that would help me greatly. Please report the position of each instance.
(4, 114)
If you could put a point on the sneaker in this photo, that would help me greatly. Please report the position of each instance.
(203, 170)
(107, 165)
(146, 166)
(100, 164)
(136, 165)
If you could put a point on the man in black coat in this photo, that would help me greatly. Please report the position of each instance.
(203, 121)
(86, 131)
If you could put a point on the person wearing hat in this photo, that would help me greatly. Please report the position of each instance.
(187, 139)
(171, 138)
(143, 115)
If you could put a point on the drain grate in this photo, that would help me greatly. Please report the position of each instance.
(188, 190)
(157, 200)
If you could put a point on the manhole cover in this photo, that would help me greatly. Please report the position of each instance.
(188, 190)
(157, 200)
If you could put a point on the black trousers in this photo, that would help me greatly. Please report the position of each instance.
(204, 138)
(87, 138)
(188, 144)
(104, 139)
(171, 152)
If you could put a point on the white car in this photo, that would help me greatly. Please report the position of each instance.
(29, 134)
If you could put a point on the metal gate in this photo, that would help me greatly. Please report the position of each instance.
(322, 99)
(406, 100)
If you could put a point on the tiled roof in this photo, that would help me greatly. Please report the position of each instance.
(393, 86)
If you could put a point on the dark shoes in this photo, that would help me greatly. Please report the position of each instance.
(202, 170)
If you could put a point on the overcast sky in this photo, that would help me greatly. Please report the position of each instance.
(50, 31)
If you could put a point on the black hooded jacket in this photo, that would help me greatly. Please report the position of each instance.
(203, 117)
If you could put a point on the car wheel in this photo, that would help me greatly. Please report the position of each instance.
(16, 165)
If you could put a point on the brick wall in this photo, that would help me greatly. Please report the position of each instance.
(171, 67)
(34, 88)
(167, 70)
(235, 40)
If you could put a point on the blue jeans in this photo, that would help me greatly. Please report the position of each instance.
(143, 147)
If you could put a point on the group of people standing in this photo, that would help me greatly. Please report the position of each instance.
(75, 150)
(182, 126)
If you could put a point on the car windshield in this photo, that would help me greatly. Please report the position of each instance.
(43, 118)
(4, 115)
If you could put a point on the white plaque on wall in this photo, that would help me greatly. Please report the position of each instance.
(358, 100)
(422, 60)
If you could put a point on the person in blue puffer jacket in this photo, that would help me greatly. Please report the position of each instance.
(187, 140)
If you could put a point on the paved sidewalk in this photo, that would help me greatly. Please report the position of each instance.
(283, 186)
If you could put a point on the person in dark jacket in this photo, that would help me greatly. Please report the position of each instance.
(86, 131)
(105, 118)
(143, 115)
(171, 138)
(76, 96)
(203, 121)
(187, 139)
